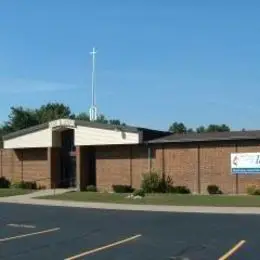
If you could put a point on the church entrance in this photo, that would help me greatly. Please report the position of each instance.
(68, 159)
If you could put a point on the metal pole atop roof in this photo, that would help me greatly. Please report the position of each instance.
(93, 108)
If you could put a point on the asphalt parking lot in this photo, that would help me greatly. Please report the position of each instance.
(40, 232)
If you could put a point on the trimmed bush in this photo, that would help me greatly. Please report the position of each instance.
(91, 188)
(253, 190)
(41, 187)
(28, 185)
(4, 183)
(257, 192)
(179, 190)
(122, 188)
(213, 189)
(140, 193)
(151, 182)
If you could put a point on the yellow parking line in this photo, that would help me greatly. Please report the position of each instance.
(29, 234)
(103, 247)
(232, 250)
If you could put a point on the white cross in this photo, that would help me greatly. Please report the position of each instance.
(93, 52)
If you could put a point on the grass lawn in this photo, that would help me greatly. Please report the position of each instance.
(162, 199)
(12, 192)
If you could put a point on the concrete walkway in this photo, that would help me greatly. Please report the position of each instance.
(31, 199)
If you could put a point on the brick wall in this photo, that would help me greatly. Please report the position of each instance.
(35, 166)
(244, 181)
(215, 167)
(193, 165)
(112, 166)
(140, 164)
(25, 164)
(181, 164)
(120, 165)
(199, 165)
(7, 163)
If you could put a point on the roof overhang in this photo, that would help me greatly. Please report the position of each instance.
(85, 133)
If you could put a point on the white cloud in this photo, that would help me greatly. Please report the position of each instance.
(19, 86)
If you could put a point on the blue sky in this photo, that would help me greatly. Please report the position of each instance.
(158, 61)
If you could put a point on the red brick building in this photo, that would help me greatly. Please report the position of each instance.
(70, 152)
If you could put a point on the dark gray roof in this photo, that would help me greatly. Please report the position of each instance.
(206, 137)
(125, 128)
(25, 131)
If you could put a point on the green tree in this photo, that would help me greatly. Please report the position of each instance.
(178, 128)
(115, 122)
(190, 130)
(201, 129)
(213, 128)
(102, 119)
(82, 116)
(20, 118)
(53, 111)
(218, 128)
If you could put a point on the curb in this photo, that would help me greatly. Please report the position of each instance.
(132, 207)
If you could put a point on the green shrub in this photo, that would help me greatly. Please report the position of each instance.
(151, 182)
(154, 182)
(41, 187)
(122, 188)
(213, 189)
(140, 193)
(4, 183)
(165, 184)
(28, 185)
(91, 188)
(257, 192)
(179, 190)
(253, 190)
(16, 185)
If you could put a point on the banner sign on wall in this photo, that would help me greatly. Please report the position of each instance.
(243, 163)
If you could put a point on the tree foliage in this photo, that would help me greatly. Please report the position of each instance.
(52, 111)
(21, 117)
(179, 127)
(82, 116)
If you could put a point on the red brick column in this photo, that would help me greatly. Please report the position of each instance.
(78, 168)
(198, 179)
(53, 155)
(81, 174)
(49, 158)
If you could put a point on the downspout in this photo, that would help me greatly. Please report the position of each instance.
(149, 159)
